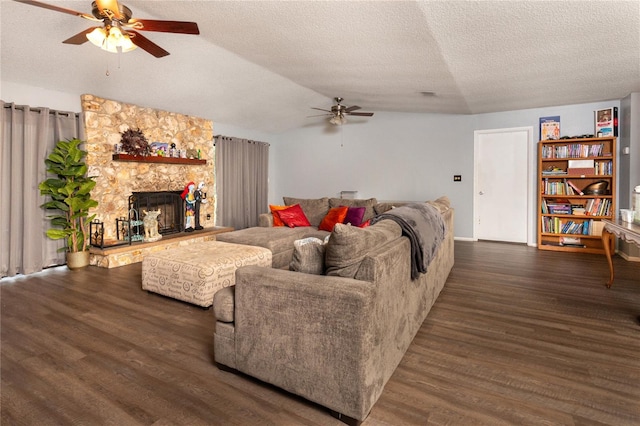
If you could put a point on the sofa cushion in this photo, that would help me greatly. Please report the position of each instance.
(308, 256)
(277, 239)
(348, 245)
(354, 215)
(368, 203)
(315, 209)
(293, 216)
(335, 215)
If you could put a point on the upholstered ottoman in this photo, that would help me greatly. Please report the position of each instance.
(195, 272)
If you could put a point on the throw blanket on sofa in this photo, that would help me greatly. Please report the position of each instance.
(423, 225)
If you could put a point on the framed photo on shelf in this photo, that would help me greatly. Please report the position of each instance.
(606, 122)
(156, 147)
(550, 128)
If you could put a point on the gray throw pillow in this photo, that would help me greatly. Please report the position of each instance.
(308, 256)
(315, 209)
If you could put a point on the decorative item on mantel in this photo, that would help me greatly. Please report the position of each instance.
(134, 142)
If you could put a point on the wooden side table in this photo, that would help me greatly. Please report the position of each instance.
(624, 230)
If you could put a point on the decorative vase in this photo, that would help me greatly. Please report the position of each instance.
(78, 260)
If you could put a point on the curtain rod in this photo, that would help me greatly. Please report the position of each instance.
(229, 137)
(22, 108)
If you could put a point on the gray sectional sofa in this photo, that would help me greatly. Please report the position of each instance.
(334, 339)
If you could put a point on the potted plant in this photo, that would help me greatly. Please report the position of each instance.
(70, 193)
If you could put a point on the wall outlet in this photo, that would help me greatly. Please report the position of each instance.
(457, 178)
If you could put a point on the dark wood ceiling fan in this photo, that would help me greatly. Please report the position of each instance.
(338, 112)
(116, 20)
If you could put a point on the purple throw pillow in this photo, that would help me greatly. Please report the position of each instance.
(355, 215)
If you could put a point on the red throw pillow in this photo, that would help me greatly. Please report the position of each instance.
(276, 219)
(365, 224)
(293, 216)
(335, 215)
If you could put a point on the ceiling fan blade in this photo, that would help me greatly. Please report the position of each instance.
(319, 115)
(180, 27)
(321, 109)
(362, 114)
(79, 38)
(146, 44)
(58, 9)
(352, 108)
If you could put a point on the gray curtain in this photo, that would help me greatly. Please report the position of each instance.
(28, 137)
(242, 181)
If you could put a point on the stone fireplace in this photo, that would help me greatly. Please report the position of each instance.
(118, 180)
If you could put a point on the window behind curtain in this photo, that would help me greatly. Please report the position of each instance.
(28, 136)
(242, 176)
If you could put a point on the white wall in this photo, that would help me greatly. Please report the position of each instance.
(21, 94)
(399, 156)
(390, 156)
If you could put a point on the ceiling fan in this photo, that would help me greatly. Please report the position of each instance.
(338, 112)
(118, 31)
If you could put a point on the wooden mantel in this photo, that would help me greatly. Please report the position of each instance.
(157, 159)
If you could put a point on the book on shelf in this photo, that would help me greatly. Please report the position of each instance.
(550, 128)
(606, 122)
(559, 208)
(603, 168)
(596, 228)
(598, 207)
(579, 211)
(577, 190)
(554, 171)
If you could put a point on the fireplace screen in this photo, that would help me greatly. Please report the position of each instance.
(170, 204)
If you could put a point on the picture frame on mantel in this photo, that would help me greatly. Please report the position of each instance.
(156, 147)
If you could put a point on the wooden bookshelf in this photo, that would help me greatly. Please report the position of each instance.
(568, 218)
(157, 159)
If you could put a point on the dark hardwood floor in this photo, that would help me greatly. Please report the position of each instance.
(517, 337)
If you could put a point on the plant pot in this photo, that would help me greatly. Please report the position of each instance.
(78, 260)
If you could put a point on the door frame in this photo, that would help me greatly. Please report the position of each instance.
(531, 181)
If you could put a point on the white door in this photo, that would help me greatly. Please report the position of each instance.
(501, 184)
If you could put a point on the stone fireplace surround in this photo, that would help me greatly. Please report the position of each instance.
(105, 120)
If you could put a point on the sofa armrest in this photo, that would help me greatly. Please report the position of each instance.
(265, 220)
(297, 330)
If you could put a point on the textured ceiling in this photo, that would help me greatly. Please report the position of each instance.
(262, 64)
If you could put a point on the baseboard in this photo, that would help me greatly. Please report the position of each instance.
(628, 258)
(464, 239)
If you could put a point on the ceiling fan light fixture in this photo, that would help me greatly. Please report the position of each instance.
(97, 36)
(111, 39)
(338, 120)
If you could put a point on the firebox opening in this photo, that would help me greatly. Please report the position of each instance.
(170, 204)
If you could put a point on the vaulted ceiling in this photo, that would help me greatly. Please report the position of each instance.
(263, 64)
